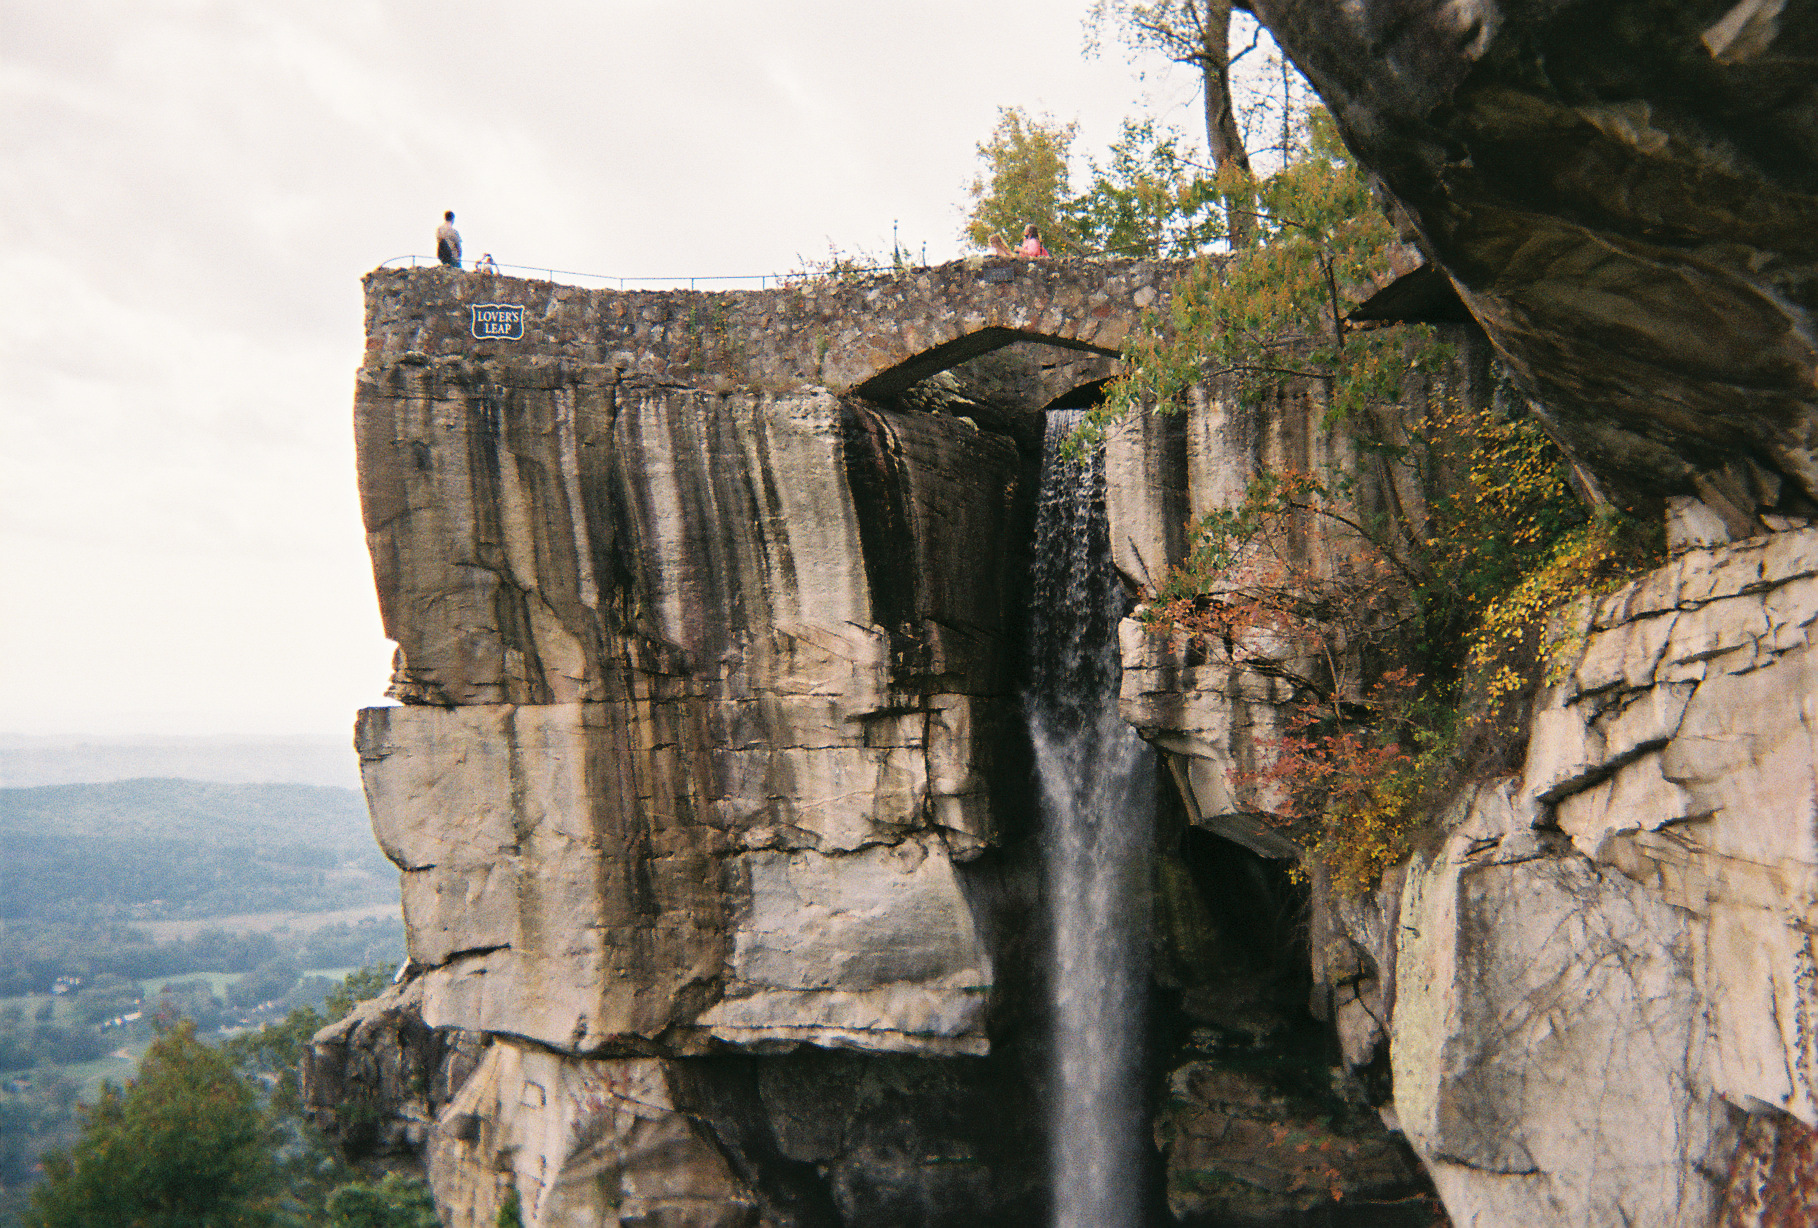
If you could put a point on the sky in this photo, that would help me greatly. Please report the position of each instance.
(191, 190)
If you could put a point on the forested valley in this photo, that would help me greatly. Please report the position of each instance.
(247, 914)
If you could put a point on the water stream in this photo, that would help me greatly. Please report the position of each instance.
(1097, 781)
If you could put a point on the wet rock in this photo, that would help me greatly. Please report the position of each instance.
(1243, 1149)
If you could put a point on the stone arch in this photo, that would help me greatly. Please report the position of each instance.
(1081, 396)
(894, 380)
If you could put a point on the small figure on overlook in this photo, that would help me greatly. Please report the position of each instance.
(485, 264)
(1032, 244)
(999, 248)
(448, 241)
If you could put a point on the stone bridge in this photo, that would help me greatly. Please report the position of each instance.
(873, 335)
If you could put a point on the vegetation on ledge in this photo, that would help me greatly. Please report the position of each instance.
(1413, 644)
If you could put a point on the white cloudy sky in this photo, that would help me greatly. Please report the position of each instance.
(190, 191)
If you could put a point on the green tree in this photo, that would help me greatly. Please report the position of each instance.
(1276, 310)
(1147, 202)
(395, 1201)
(183, 1145)
(272, 1053)
(1195, 33)
(1024, 181)
(312, 1171)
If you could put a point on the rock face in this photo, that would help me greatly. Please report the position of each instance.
(1635, 911)
(1624, 194)
(1596, 994)
(675, 702)
(710, 745)
(710, 792)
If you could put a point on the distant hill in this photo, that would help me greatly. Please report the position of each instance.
(317, 815)
(159, 849)
(28, 760)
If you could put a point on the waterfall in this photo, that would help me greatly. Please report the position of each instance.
(1097, 789)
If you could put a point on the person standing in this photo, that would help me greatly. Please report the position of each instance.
(448, 241)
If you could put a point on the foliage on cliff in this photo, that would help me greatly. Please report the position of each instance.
(1410, 647)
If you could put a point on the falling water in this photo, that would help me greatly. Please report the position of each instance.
(1097, 798)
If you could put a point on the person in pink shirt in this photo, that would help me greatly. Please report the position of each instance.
(1032, 244)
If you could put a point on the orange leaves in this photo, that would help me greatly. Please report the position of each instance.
(1344, 782)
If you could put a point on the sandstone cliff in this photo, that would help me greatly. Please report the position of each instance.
(710, 787)
(710, 792)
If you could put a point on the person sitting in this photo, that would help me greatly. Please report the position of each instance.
(486, 265)
(1032, 248)
(999, 248)
(448, 241)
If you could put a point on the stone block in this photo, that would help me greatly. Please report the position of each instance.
(582, 1141)
(564, 888)
(1526, 993)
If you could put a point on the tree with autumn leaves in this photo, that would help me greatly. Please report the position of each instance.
(1410, 651)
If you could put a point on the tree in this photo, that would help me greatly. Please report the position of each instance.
(395, 1201)
(1196, 33)
(1147, 202)
(181, 1146)
(271, 1055)
(1411, 652)
(1024, 181)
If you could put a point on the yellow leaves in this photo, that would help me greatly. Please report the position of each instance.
(1586, 561)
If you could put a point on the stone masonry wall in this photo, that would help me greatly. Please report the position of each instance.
(833, 333)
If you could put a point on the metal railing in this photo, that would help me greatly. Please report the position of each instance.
(749, 281)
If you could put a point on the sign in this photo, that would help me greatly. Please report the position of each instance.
(1000, 273)
(498, 321)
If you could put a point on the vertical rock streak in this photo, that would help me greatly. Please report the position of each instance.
(1097, 796)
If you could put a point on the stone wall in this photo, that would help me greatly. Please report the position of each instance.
(876, 333)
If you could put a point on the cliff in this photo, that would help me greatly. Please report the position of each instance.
(710, 787)
(1595, 989)
(711, 792)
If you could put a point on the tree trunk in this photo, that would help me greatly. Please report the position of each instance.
(1222, 137)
